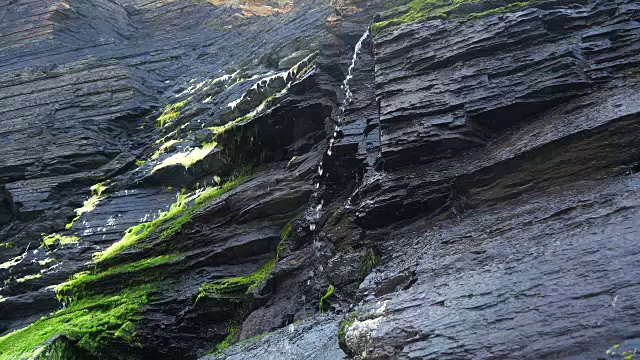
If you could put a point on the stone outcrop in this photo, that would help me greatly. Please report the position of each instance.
(268, 179)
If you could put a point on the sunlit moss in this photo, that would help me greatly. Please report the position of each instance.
(171, 220)
(170, 113)
(163, 148)
(28, 277)
(204, 197)
(92, 322)
(141, 231)
(9, 263)
(421, 10)
(187, 158)
(499, 10)
(61, 239)
(90, 204)
(46, 261)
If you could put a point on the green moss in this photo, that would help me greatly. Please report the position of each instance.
(171, 221)
(28, 277)
(348, 321)
(51, 239)
(369, 260)
(6, 245)
(96, 196)
(91, 322)
(77, 286)
(140, 162)
(207, 195)
(421, 10)
(163, 148)
(499, 10)
(58, 350)
(170, 113)
(256, 338)
(187, 158)
(232, 334)
(324, 300)
(9, 263)
(284, 235)
(138, 232)
(46, 261)
(236, 287)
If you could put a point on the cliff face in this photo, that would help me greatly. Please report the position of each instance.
(185, 179)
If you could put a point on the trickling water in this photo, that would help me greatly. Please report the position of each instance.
(347, 100)
(345, 83)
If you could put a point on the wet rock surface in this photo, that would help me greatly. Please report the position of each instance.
(268, 180)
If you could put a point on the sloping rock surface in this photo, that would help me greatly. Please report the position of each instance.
(269, 180)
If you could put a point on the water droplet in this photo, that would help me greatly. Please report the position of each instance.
(317, 185)
(312, 227)
(329, 152)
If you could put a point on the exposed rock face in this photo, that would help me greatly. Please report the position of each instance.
(182, 176)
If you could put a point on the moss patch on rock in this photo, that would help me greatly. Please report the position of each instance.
(96, 196)
(324, 300)
(92, 322)
(421, 10)
(235, 288)
(50, 240)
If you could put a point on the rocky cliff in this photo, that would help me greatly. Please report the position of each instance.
(304, 179)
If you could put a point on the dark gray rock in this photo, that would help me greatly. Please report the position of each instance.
(314, 338)
(480, 200)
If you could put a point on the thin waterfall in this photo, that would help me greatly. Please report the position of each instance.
(332, 138)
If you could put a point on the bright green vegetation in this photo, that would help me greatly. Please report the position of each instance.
(324, 300)
(77, 286)
(499, 10)
(369, 260)
(58, 350)
(46, 261)
(28, 277)
(49, 240)
(232, 333)
(91, 322)
(171, 221)
(138, 232)
(170, 113)
(163, 148)
(90, 204)
(9, 263)
(628, 354)
(207, 195)
(284, 235)
(234, 288)
(187, 158)
(421, 10)
(140, 162)
(6, 245)
(256, 338)
(348, 321)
